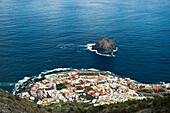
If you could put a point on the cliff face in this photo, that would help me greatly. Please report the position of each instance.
(14, 104)
(105, 46)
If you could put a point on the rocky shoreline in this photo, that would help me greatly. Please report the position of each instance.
(114, 88)
(104, 47)
(24, 84)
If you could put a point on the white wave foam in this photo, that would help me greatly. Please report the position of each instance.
(23, 80)
(66, 46)
(56, 69)
(92, 69)
(20, 82)
(83, 46)
(89, 47)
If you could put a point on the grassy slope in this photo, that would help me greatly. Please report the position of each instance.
(11, 103)
(157, 105)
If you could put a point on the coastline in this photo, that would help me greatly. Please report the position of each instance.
(89, 47)
(28, 84)
(22, 82)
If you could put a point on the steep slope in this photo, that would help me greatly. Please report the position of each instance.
(13, 104)
(156, 105)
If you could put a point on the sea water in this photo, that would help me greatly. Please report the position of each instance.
(38, 35)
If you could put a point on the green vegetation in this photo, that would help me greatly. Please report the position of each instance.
(101, 83)
(145, 90)
(14, 104)
(72, 107)
(89, 97)
(159, 90)
(27, 90)
(157, 105)
(150, 91)
(168, 88)
(60, 86)
(48, 96)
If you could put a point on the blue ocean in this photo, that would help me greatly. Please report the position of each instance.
(38, 35)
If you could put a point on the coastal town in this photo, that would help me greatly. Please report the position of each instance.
(88, 86)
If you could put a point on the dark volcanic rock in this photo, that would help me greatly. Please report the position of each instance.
(105, 46)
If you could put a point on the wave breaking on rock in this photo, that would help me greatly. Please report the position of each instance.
(104, 47)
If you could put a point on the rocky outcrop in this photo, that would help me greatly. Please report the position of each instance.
(105, 46)
(4, 108)
(14, 104)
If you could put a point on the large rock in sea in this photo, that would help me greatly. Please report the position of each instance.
(105, 46)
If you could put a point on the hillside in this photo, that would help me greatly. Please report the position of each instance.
(156, 105)
(13, 104)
